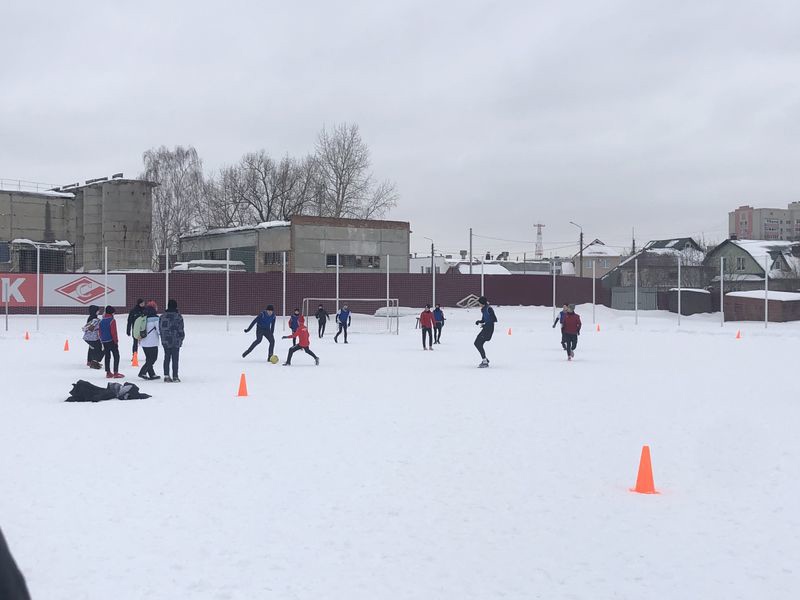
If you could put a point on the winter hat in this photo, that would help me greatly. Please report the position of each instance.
(572, 307)
(172, 304)
(482, 300)
(427, 306)
(139, 301)
(270, 307)
(110, 310)
(93, 310)
(152, 304)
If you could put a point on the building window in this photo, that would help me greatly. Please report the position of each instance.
(273, 258)
(5, 252)
(354, 261)
(330, 260)
(740, 263)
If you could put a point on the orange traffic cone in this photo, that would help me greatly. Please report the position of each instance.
(27, 336)
(135, 360)
(598, 327)
(242, 387)
(66, 345)
(509, 331)
(644, 481)
(738, 334)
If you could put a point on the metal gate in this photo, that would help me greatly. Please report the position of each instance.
(623, 298)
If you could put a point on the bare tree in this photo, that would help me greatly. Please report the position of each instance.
(220, 205)
(343, 174)
(179, 175)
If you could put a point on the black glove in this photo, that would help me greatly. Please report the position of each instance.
(478, 322)
(554, 325)
(246, 330)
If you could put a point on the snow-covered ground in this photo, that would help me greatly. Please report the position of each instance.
(392, 473)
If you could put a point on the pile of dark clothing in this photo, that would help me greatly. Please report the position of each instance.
(83, 391)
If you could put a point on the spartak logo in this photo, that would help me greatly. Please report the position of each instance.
(83, 290)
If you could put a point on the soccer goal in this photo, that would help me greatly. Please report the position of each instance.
(367, 315)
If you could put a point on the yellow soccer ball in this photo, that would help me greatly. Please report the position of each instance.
(274, 359)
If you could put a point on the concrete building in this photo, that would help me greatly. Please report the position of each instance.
(311, 245)
(114, 213)
(750, 223)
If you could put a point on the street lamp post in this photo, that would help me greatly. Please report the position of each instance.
(433, 275)
(580, 244)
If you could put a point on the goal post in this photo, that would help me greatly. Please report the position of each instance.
(368, 315)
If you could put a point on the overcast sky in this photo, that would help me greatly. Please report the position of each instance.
(661, 116)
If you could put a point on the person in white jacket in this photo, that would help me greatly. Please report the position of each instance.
(149, 341)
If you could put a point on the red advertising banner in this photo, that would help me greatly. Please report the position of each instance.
(18, 290)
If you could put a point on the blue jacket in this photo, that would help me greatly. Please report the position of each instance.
(344, 317)
(171, 325)
(263, 321)
(108, 329)
(488, 318)
(294, 322)
(438, 315)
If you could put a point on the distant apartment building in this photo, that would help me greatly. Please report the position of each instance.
(748, 223)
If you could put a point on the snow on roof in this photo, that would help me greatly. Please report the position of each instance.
(48, 193)
(59, 243)
(759, 294)
(761, 248)
(689, 254)
(222, 230)
(488, 269)
(692, 290)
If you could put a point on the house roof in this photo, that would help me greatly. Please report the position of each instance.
(672, 244)
(224, 230)
(685, 247)
(598, 248)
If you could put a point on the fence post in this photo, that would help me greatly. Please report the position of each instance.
(636, 289)
(388, 319)
(722, 291)
(228, 289)
(482, 290)
(553, 269)
(433, 289)
(679, 290)
(284, 290)
(105, 278)
(766, 290)
(38, 283)
(594, 291)
(337, 283)
(166, 279)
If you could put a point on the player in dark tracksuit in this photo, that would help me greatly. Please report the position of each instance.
(265, 328)
(572, 329)
(438, 317)
(487, 321)
(560, 319)
(343, 319)
(12, 582)
(322, 319)
(136, 312)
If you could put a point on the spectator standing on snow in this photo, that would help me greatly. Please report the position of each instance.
(572, 329)
(438, 317)
(171, 327)
(136, 312)
(265, 328)
(426, 321)
(91, 335)
(322, 319)
(12, 583)
(304, 343)
(343, 319)
(487, 321)
(294, 323)
(560, 319)
(110, 342)
(149, 337)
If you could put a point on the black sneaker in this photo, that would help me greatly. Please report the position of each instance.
(316, 361)
(176, 380)
(154, 377)
(287, 364)
(167, 379)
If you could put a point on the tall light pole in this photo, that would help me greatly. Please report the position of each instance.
(580, 244)
(433, 275)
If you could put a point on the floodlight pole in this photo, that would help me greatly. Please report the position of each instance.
(636, 289)
(766, 290)
(228, 289)
(679, 290)
(722, 291)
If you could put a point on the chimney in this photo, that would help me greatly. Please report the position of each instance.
(463, 254)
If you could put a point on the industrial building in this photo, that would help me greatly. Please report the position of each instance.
(74, 223)
(311, 245)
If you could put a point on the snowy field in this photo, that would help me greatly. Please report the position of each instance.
(392, 473)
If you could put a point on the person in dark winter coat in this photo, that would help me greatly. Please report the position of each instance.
(427, 321)
(91, 335)
(438, 317)
(560, 319)
(294, 323)
(322, 319)
(110, 341)
(149, 342)
(304, 343)
(12, 583)
(172, 335)
(487, 321)
(265, 328)
(343, 319)
(572, 329)
(135, 312)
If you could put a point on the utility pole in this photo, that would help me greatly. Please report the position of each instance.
(633, 241)
(580, 245)
(470, 250)
(539, 245)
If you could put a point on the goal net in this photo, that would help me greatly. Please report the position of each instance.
(368, 315)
